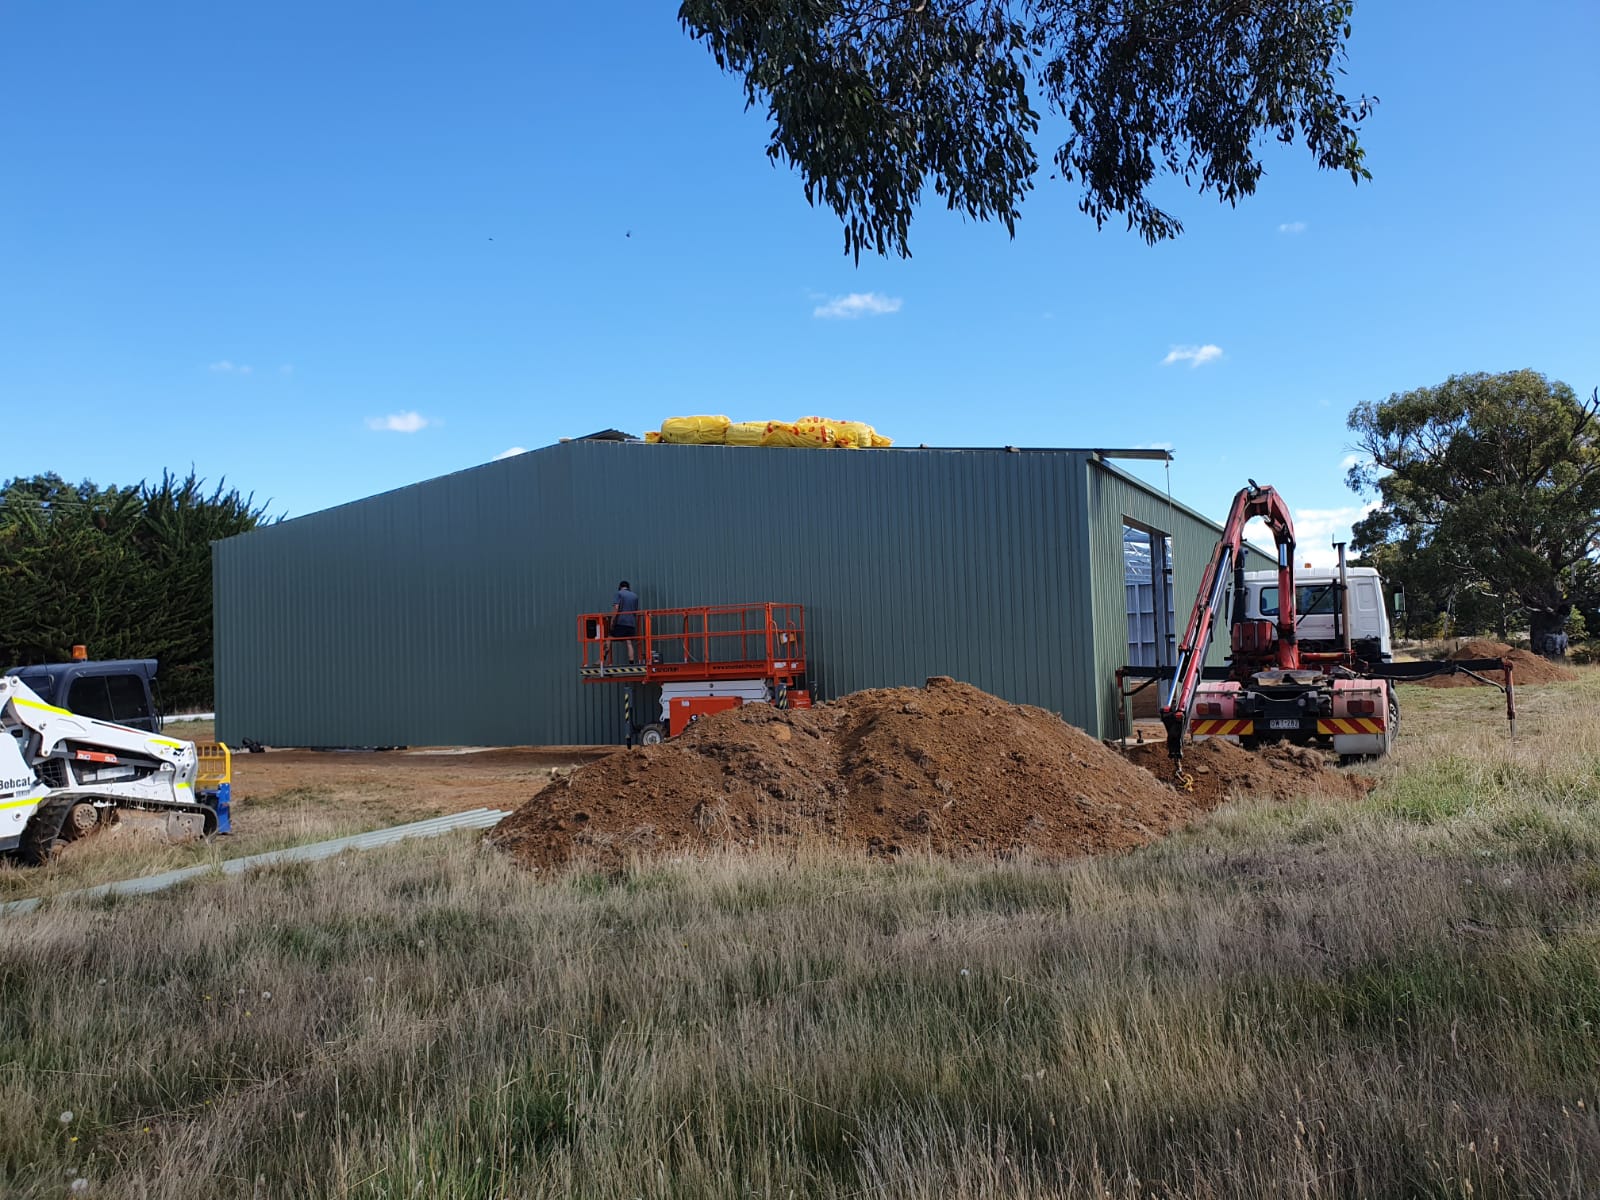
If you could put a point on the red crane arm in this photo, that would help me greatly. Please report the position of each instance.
(1251, 502)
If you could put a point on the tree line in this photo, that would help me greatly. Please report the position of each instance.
(123, 570)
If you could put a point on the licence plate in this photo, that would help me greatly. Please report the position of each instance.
(1283, 723)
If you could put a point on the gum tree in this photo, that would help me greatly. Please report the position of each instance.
(1496, 477)
(874, 102)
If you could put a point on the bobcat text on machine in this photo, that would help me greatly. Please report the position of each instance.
(63, 774)
(681, 664)
(1309, 658)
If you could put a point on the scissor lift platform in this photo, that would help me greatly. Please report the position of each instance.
(703, 658)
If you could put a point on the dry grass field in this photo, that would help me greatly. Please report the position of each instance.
(1399, 997)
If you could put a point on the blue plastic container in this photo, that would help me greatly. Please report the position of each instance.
(223, 797)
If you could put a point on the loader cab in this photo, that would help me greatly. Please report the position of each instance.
(1316, 609)
(117, 690)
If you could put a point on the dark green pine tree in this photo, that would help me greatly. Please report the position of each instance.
(125, 571)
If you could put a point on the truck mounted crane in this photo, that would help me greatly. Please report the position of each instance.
(1339, 693)
(1272, 692)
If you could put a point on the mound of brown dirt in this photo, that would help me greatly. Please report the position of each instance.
(1219, 769)
(945, 768)
(1527, 668)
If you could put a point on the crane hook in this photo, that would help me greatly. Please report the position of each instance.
(1181, 779)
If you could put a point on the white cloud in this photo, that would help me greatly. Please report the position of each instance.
(229, 368)
(1292, 227)
(1316, 529)
(511, 453)
(1353, 459)
(1167, 446)
(857, 304)
(1195, 356)
(403, 422)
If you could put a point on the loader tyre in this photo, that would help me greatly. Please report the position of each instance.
(652, 735)
(41, 838)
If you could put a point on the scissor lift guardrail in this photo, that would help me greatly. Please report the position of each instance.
(698, 644)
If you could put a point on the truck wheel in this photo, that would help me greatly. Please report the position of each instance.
(652, 735)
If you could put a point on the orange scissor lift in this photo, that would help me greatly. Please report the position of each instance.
(702, 660)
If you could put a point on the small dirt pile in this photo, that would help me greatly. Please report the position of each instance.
(1219, 769)
(945, 768)
(1527, 668)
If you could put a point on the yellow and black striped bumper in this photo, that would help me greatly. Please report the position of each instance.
(1212, 727)
(1350, 725)
(1244, 727)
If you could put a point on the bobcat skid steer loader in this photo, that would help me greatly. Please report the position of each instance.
(63, 776)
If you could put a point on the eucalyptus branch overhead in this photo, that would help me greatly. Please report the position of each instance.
(876, 102)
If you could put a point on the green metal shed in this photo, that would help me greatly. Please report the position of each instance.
(445, 613)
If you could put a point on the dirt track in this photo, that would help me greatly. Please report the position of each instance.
(422, 782)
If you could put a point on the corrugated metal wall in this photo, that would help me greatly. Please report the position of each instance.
(1116, 498)
(445, 613)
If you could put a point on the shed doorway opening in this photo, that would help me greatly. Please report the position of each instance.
(1147, 575)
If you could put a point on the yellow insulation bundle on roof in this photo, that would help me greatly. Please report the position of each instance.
(746, 433)
(695, 431)
(779, 433)
(810, 433)
(858, 435)
(817, 431)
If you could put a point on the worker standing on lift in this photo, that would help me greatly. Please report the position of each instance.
(624, 618)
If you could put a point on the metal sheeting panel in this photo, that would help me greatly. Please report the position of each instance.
(1151, 607)
(1115, 498)
(446, 612)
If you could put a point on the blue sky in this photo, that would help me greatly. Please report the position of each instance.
(240, 237)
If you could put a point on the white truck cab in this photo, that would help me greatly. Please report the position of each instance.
(1317, 604)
